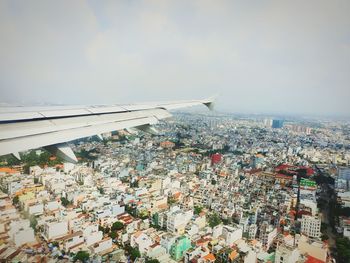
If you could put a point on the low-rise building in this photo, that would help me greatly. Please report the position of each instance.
(55, 229)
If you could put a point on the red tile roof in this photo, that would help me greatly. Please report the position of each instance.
(311, 259)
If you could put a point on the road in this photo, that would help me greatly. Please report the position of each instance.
(325, 210)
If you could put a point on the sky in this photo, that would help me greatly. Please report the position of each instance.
(258, 56)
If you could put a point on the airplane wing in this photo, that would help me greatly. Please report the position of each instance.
(24, 128)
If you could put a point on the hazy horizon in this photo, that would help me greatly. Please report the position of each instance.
(290, 57)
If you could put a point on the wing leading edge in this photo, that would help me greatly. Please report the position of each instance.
(24, 128)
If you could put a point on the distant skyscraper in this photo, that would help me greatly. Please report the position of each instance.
(300, 128)
(277, 124)
(268, 123)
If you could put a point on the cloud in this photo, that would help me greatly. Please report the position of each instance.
(263, 56)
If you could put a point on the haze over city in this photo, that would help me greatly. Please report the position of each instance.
(260, 56)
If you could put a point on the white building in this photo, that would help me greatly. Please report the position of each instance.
(14, 187)
(24, 236)
(93, 238)
(244, 223)
(55, 229)
(67, 167)
(311, 226)
(267, 234)
(103, 213)
(178, 220)
(286, 254)
(231, 234)
(192, 229)
(217, 231)
(36, 209)
(142, 241)
(52, 205)
(346, 232)
(21, 232)
(252, 229)
(228, 233)
(316, 249)
(117, 209)
(91, 234)
(101, 246)
(73, 240)
(345, 198)
(167, 241)
(311, 204)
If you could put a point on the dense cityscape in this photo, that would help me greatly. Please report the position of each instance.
(208, 188)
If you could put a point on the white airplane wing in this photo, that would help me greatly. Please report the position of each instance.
(24, 128)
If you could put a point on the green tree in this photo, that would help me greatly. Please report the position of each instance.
(197, 210)
(343, 248)
(134, 184)
(171, 200)
(214, 220)
(130, 210)
(101, 190)
(15, 200)
(33, 222)
(143, 214)
(133, 252)
(106, 230)
(344, 211)
(113, 235)
(226, 221)
(64, 201)
(152, 261)
(9, 160)
(44, 158)
(117, 226)
(324, 237)
(82, 256)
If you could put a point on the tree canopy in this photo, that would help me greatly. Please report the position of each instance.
(343, 249)
(133, 252)
(197, 210)
(117, 226)
(65, 201)
(83, 256)
(214, 220)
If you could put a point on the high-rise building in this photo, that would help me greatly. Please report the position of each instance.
(267, 123)
(311, 226)
(300, 128)
(267, 234)
(277, 124)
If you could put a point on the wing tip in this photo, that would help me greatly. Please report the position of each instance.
(210, 102)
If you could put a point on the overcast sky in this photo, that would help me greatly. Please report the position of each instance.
(259, 56)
